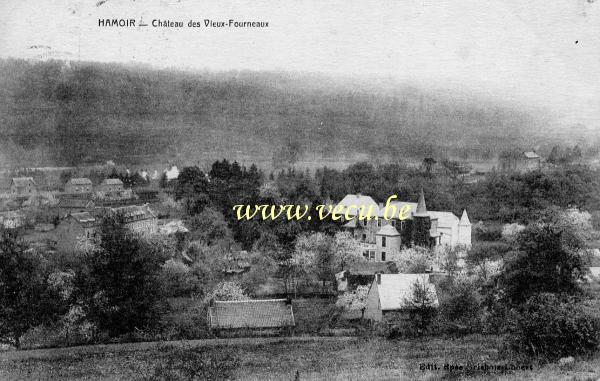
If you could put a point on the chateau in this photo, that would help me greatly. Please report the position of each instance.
(384, 238)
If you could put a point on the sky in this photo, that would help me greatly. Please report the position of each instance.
(539, 53)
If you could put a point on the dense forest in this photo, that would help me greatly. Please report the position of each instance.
(72, 113)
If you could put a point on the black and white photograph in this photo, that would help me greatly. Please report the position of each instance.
(300, 190)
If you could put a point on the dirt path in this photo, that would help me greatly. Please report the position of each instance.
(133, 347)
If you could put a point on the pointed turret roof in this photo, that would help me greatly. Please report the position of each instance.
(464, 219)
(421, 207)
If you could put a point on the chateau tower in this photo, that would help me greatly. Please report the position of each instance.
(464, 230)
(421, 224)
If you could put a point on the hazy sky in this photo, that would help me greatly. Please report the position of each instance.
(524, 51)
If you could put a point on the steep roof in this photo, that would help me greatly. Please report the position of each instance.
(84, 218)
(464, 219)
(75, 203)
(135, 212)
(354, 203)
(396, 289)
(388, 230)
(112, 182)
(23, 181)
(271, 313)
(421, 207)
(80, 181)
(445, 219)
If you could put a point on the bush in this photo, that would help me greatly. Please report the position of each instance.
(187, 363)
(549, 328)
(460, 311)
(178, 279)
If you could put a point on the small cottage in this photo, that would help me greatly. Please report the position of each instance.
(390, 296)
(79, 185)
(23, 187)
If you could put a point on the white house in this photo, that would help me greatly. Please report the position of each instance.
(391, 295)
(383, 236)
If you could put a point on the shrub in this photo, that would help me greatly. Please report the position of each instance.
(178, 279)
(460, 311)
(187, 363)
(550, 328)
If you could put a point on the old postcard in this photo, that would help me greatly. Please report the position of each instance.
(299, 190)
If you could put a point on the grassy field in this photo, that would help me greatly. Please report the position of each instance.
(331, 359)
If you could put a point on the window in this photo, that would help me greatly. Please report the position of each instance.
(364, 222)
(393, 222)
(383, 255)
(382, 241)
(371, 254)
(364, 237)
(378, 223)
(366, 254)
(401, 225)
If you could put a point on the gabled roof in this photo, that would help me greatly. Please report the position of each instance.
(112, 182)
(23, 181)
(80, 181)
(75, 203)
(388, 230)
(84, 218)
(355, 203)
(396, 289)
(135, 212)
(272, 313)
(445, 219)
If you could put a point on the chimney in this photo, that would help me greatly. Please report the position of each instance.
(378, 277)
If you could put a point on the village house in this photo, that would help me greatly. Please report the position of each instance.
(390, 296)
(382, 239)
(362, 274)
(270, 314)
(78, 186)
(71, 205)
(514, 161)
(77, 228)
(111, 186)
(23, 187)
(74, 230)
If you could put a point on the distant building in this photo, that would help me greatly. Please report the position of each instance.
(70, 205)
(111, 186)
(139, 218)
(251, 314)
(383, 239)
(362, 274)
(78, 186)
(514, 161)
(76, 228)
(23, 187)
(390, 296)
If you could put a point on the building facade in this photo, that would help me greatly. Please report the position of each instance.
(78, 186)
(23, 187)
(410, 224)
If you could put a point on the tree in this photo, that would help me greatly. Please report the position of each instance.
(227, 291)
(354, 300)
(422, 306)
(346, 250)
(121, 286)
(551, 257)
(26, 300)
